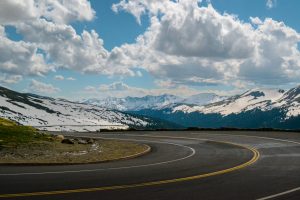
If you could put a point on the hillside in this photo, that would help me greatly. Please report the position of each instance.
(62, 115)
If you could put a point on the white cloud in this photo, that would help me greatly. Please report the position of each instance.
(271, 3)
(90, 89)
(49, 42)
(13, 11)
(21, 58)
(191, 44)
(71, 79)
(63, 11)
(10, 79)
(114, 86)
(120, 89)
(40, 87)
(185, 43)
(59, 77)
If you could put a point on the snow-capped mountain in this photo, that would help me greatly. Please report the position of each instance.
(135, 103)
(262, 99)
(58, 114)
(202, 99)
(152, 102)
(256, 108)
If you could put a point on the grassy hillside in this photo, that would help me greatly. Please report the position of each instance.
(25, 145)
(12, 134)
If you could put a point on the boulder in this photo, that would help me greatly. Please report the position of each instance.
(59, 137)
(68, 141)
(90, 141)
(81, 141)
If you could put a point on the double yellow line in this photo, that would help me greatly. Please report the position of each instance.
(254, 158)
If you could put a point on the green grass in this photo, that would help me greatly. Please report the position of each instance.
(24, 144)
(12, 134)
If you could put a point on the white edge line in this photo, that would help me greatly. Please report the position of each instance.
(113, 168)
(280, 194)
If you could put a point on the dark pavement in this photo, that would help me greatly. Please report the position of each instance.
(174, 155)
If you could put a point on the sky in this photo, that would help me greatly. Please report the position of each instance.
(79, 49)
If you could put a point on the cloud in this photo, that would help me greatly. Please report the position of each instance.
(121, 89)
(71, 79)
(90, 89)
(191, 44)
(48, 40)
(271, 3)
(64, 46)
(114, 86)
(21, 58)
(64, 11)
(59, 77)
(40, 87)
(13, 11)
(186, 43)
(10, 79)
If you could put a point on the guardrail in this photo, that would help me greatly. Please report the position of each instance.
(69, 127)
(79, 125)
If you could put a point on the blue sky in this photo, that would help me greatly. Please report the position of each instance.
(127, 70)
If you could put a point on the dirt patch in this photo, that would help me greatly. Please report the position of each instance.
(56, 152)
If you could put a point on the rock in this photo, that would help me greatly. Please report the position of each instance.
(81, 141)
(59, 137)
(90, 141)
(68, 141)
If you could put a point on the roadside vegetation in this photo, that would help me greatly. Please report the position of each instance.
(26, 145)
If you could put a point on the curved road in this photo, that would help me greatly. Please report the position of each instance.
(181, 165)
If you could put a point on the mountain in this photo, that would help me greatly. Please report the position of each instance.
(152, 102)
(256, 108)
(261, 99)
(59, 114)
(202, 99)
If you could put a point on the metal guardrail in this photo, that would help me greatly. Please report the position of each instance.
(79, 125)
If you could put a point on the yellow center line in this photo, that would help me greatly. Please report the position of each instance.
(254, 158)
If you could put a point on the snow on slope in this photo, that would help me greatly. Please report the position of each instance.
(135, 103)
(152, 102)
(58, 114)
(202, 99)
(262, 99)
(290, 101)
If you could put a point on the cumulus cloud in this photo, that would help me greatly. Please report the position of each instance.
(48, 40)
(192, 44)
(114, 86)
(63, 11)
(10, 79)
(40, 87)
(185, 44)
(21, 58)
(121, 89)
(59, 77)
(71, 79)
(13, 11)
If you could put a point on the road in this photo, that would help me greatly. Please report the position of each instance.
(181, 165)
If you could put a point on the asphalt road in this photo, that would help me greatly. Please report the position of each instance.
(181, 165)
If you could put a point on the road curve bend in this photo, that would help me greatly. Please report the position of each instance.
(181, 165)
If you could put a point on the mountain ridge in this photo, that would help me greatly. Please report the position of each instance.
(59, 114)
